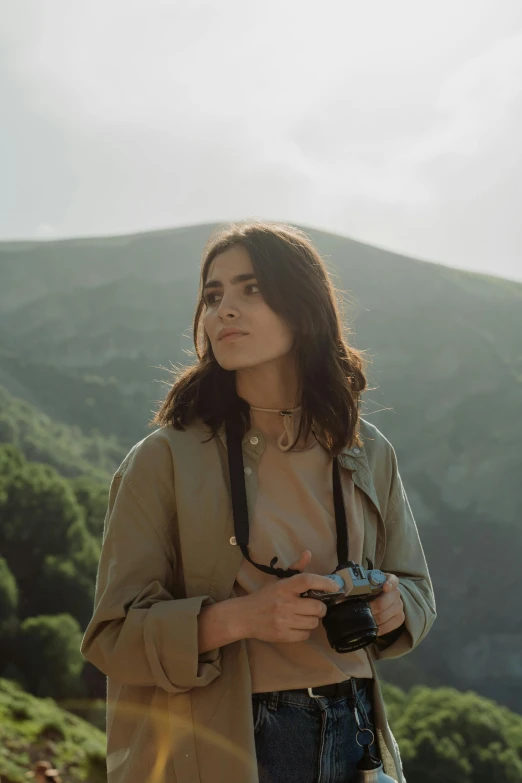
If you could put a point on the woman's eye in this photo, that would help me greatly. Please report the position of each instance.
(212, 298)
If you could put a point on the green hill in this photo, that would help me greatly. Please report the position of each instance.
(34, 729)
(86, 325)
(65, 447)
(31, 270)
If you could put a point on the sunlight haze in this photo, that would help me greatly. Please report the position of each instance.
(395, 124)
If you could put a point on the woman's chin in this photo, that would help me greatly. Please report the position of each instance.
(235, 362)
(227, 362)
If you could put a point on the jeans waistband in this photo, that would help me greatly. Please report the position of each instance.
(351, 686)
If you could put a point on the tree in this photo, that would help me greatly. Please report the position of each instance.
(8, 613)
(9, 432)
(49, 652)
(93, 497)
(11, 461)
(43, 534)
(8, 595)
(66, 584)
(458, 738)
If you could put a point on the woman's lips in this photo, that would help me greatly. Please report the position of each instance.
(229, 337)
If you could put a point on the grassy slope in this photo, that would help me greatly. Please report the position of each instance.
(32, 729)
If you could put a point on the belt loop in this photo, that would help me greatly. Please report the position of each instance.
(354, 689)
(273, 700)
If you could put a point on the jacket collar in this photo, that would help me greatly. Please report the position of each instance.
(354, 452)
(352, 458)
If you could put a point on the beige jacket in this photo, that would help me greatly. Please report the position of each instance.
(174, 716)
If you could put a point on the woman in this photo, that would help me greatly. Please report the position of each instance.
(219, 669)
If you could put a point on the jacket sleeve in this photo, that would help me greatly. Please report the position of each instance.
(140, 634)
(404, 556)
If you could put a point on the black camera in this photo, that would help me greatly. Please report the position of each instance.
(349, 622)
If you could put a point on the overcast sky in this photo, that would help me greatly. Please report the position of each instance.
(395, 123)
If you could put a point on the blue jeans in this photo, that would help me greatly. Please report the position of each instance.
(304, 740)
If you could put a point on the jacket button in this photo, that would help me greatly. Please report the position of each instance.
(254, 441)
(356, 451)
(248, 471)
(233, 541)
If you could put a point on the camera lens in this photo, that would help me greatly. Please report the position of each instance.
(350, 625)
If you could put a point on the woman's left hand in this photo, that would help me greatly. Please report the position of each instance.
(387, 608)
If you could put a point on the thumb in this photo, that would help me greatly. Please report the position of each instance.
(303, 561)
(392, 582)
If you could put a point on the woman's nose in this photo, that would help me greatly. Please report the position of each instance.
(227, 307)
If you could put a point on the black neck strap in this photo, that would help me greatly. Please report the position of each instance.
(240, 508)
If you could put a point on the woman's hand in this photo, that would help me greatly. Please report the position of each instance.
(277, 613)
(387, 608)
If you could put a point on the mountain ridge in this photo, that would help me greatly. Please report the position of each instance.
(444, 352)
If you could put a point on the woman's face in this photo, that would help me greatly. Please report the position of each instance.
(233, 301)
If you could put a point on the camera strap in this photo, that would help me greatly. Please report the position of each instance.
(240, 507)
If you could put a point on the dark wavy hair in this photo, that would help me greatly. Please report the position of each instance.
(294, 282)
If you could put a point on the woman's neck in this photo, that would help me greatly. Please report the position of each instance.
(272, 385)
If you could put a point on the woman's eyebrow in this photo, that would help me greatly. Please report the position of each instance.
(234, 281)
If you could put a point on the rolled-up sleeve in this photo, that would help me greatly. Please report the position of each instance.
(404, 556)
(140, 633)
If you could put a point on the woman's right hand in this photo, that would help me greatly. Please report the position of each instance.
(277, 612)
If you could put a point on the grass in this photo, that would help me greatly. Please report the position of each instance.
(34, 729)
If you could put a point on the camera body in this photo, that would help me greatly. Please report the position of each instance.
(354, 582)
(349, 622)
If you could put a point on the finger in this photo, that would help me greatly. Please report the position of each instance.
(302, 582)
(303, 561)
(391, 625)
(382, 603)
(304, 623)
(392, 583)
(311, 607)
(394, 610)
